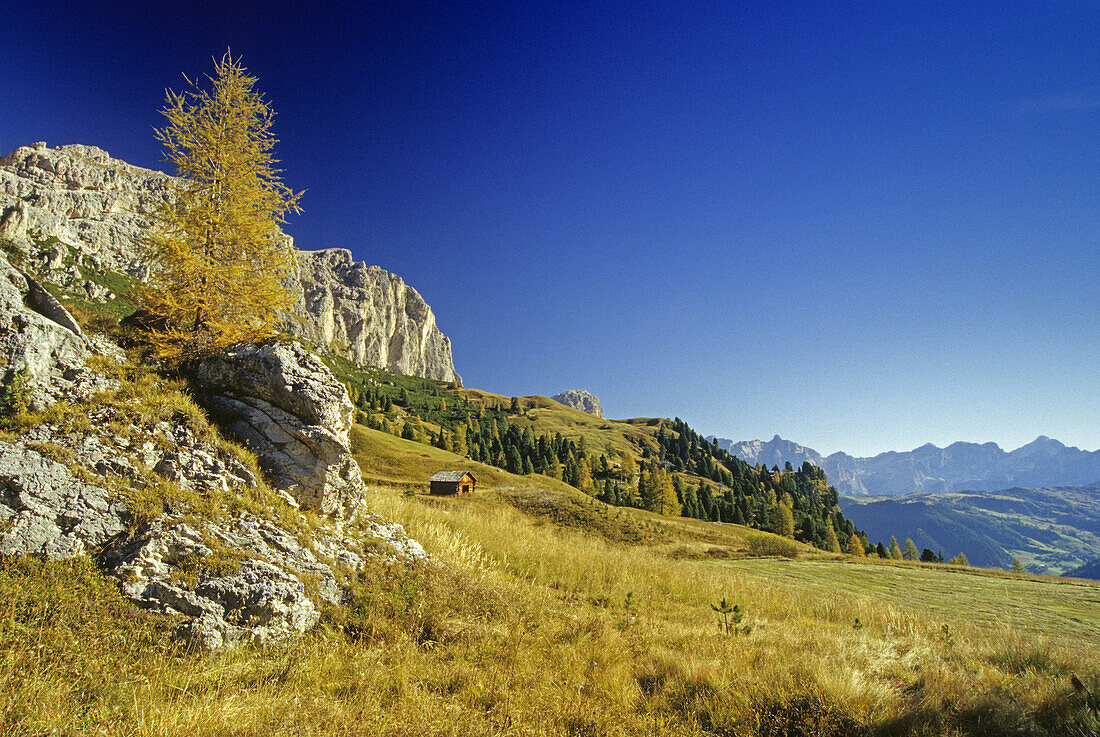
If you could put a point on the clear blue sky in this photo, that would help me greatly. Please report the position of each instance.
(863, 226)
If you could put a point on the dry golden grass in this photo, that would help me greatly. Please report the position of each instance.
(530, 625)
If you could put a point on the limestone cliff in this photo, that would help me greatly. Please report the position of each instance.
(369, 315)
(96, 209)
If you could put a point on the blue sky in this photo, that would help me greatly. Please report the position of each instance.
(862, 226)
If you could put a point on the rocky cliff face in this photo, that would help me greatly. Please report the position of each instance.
(369, 316)
(580, 399)
(75, 207)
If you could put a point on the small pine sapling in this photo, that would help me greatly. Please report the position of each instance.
(724, 609)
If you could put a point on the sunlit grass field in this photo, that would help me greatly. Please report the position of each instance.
(584, 621)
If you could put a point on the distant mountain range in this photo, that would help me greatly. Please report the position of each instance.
(1044, 462)
(1052, 530)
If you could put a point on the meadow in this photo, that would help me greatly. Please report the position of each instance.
(546, 613)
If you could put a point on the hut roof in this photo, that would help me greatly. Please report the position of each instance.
(450, 476)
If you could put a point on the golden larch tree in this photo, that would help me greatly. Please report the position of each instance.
(666, 494)
(855, 547)
(785, 518)
(219, 258)
(895, 550)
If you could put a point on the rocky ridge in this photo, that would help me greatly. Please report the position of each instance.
(580, 399)
(1044, 462)
(132, 475)
(76, 210)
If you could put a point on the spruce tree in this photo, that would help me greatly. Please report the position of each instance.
(218, 257)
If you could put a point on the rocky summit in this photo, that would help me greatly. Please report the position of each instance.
(77, 209)
(582, 400)
(369, 316)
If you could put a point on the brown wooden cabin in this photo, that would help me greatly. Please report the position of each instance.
(453, 482)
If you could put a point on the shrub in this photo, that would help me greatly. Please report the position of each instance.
(15, 394)
(765, 543)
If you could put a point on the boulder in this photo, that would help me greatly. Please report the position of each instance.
(284, 404)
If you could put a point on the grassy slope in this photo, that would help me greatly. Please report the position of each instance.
(582, 622)
(544, 415)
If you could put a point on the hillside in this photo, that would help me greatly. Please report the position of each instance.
(1044, 462)
(539, 620)
(1050, 530)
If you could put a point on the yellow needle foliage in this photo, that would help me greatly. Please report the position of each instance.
(219, 258)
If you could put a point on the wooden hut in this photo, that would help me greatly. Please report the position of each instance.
(453, 482)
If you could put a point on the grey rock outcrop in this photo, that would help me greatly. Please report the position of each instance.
(75, 205)
(285, 405)
(580, 399)
(46, 511)
(235, 579)
(45, 342)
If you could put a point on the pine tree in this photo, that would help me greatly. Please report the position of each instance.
(1018, 566)
(218, 257)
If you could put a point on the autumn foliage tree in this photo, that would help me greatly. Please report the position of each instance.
(219, 257)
